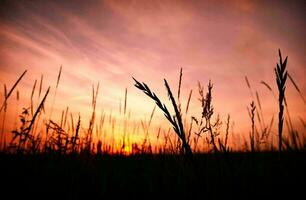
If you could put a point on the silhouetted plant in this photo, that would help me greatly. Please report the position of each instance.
(75, 138)
(261, 135)
(223, 146)
(205, 124)
(296, 141)
(27, 139)
(11, 90)
(88, 137)
(24, 134)
(281, 77)
(252, 116)
(175, 120)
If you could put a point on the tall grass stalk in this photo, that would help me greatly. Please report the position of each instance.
(125, 101)
(205, 124)
(297, 88)
(281, 77)
(188, 102)
(11, 90)
(55, 93)
(227, 130)
(32, 94)
(291, 129)
(176, 120)
(38, 110)
(3, 120)
(4, 105)
(252, 117)
(88, 139)
(179, 90)
(40, 85)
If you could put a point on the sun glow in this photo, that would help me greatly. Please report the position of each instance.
(127, 150)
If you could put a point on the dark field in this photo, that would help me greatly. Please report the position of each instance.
(238, 175)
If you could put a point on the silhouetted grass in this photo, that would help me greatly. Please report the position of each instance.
(252, 135)
(195, 132)
(176, 120)
(281, 77)
(66, 161)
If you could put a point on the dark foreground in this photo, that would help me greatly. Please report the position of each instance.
(239, 176)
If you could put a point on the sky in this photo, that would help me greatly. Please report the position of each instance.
(112, 41)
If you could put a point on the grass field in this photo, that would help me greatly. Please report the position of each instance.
(68, 161)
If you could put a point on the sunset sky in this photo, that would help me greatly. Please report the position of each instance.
(112, 41)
